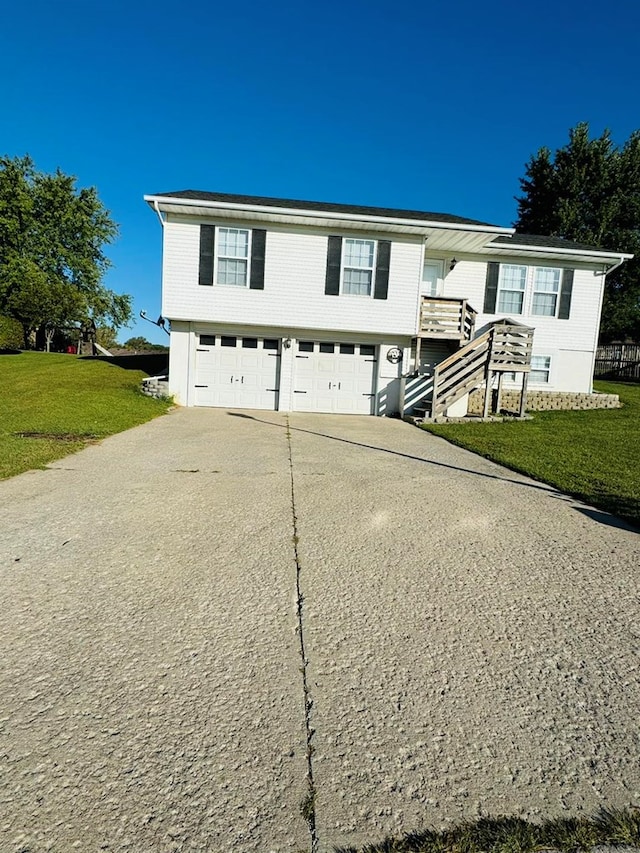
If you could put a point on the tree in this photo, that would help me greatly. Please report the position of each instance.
(141, 344)
(589, 192)
(107, 337)
(52, 261)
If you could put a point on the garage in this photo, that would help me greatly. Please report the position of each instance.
(334, 377)
(237, 372)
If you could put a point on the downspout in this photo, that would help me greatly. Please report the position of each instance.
(158, 214)
(604, 274)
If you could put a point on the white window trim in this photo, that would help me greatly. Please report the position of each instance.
(546, 370)
(533, 313)
(218, 256)
(372, 268)
(502, 289)
(529, 292)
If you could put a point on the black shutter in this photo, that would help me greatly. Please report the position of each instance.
(382, 270)
(334, 256)
(491, 289)
(566, 289)
(207, 243)
(258, 246)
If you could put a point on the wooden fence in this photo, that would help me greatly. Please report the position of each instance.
(618, 361)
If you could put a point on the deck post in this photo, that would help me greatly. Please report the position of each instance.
(403, 389)
(487, 394)
(434, 393)
(499, 395)
(523, 395)
(418, 348)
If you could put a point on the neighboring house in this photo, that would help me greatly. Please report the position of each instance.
(310, 306)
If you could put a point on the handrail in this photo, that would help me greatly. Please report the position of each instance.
(503, 348)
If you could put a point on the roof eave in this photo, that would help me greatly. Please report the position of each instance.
(596, 254)
(326, 214)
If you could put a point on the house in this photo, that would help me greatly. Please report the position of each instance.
(318, 307)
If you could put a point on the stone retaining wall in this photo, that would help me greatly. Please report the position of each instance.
(155, 386)
(541, 401)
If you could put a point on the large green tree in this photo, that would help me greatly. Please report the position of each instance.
(52, 260)
(589, 191)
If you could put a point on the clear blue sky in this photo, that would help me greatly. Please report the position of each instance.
(427, 105)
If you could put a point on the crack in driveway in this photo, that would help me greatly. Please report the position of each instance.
(308, 805)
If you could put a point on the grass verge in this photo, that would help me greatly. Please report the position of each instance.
(593, 455)
(56, 404)
(514, 835)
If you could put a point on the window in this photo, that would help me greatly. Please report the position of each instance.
(367, 349)
(250, 343)
(233, 256)
(358, 261)
(327, 348)
(305, 346)
(270, 343)
(511, 287)
(546, 287)
(540, 367)
(227, 341)
(347, 349)
(207, 340)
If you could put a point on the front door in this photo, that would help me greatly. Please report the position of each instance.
(432, 278)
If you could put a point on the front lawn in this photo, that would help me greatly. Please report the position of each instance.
(593, 455)
(55, 404)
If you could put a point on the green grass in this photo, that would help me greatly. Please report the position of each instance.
(593, 455)
(514, 835)
(67, 402)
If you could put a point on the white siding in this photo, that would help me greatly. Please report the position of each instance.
(179, 362)
(293, 295)
(570, 343)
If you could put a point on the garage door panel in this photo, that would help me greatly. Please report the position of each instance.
(240, 376)
(334, 378)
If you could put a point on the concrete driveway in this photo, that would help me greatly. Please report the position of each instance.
(471, 640)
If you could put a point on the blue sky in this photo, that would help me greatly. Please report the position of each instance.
(433, 106)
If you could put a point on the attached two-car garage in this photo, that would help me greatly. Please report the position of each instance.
(238, 371)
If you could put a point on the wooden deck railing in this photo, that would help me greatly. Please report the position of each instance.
(445, 318)
(503, 348)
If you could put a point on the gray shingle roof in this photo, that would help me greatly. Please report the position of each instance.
(544, 242)
(321, 206)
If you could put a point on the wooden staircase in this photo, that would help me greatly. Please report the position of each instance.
(505, 347)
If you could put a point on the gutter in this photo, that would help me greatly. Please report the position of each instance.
(623, 258)
(561, 251)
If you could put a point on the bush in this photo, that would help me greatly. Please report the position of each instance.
(11, 336)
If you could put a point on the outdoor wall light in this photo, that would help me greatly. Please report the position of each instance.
(286, 343)
(453, 263)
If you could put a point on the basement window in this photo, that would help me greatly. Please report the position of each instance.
(540, 369)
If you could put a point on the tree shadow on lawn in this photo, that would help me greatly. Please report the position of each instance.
(628, 509)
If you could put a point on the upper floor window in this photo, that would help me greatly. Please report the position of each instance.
(357, 266)
(511, 287)
(546, 287)
(233, 256)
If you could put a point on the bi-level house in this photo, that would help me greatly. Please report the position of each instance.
(318, 307)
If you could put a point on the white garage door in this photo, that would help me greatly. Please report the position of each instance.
(334, 377)
(235, 372)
